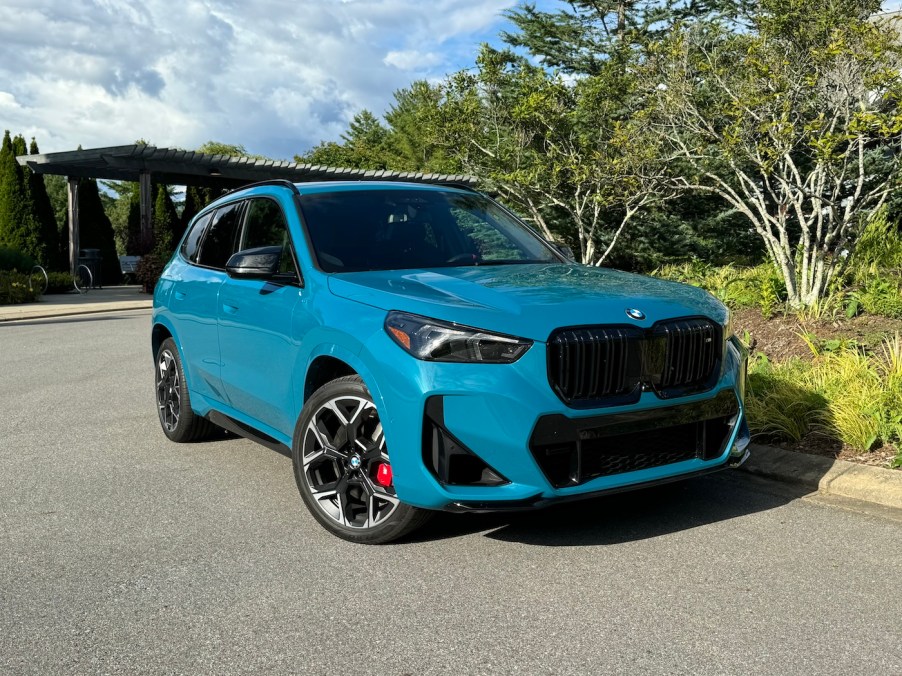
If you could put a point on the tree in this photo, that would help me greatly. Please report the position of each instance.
(167, 229)
(96, 231)
(787, 123)
(546, 146)
(410, 139)
(48, 227)
(365, 146)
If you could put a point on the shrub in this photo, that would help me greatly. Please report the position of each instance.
(59, 282)
(758, 287)
(845, 393)
(149, 269)
(13, 259)
(15, 288)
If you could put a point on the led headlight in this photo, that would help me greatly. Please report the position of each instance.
(434, 340)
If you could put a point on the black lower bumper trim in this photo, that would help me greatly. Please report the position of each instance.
(538, 502)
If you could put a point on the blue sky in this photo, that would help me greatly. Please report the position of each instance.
(276, 76)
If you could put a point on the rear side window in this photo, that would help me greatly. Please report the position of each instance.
(192, 241)
(222, 237)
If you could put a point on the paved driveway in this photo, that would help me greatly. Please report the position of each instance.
(123, 553)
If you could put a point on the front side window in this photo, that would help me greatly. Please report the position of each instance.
(265, 225)
(222, 237)
(400, 229)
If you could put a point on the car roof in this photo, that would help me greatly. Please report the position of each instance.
(346, 186)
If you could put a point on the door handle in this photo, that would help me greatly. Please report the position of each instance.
(229, 309)
(180, 295)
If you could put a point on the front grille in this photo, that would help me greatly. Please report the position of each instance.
(573, 451)
(608, 365)
(691, 349)
(595, 363)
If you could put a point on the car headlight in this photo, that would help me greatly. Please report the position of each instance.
(434, 340)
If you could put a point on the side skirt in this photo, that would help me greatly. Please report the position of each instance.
(247, 432)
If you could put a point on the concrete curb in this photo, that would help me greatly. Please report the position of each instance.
(19, 313)
(835, 477)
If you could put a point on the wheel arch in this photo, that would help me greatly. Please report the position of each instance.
(328, 362)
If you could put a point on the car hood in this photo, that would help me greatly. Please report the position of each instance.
(526, 300)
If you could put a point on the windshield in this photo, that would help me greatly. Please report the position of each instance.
(356, 230)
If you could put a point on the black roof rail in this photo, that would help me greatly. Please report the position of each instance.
(284, 182)
(460, 186)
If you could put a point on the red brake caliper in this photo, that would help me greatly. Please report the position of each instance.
(383, 474)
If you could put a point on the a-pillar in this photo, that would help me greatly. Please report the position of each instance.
(146, 200)
(73, 225)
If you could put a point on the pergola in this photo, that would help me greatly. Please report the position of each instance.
(145, 164)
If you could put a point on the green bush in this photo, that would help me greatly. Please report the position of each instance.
(15, 288)
(149, 270)
(59, 282)
(13, 259)
(756, 287)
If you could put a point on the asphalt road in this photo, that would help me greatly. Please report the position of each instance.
(121, 552)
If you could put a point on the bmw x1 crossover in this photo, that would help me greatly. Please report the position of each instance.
(418, 347)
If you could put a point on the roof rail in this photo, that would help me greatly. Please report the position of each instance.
(284, 182)
(460, 186)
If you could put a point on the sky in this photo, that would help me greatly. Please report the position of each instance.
(276, 76)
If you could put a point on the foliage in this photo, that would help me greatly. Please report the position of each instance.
(45, 218)
(59, 282)
(759, 287)
(96, 230)
(13, 259)
(795, 123)
(149, 269)
(15, 288)
(845, 393)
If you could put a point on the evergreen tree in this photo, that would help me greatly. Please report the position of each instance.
(195, 199)
(48, 229)
(166, 225)
(96, 230)
(18, 227)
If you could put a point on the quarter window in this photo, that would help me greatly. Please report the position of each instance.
(222, 237)
(192, 241)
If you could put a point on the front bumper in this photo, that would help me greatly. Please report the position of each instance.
(499, 412)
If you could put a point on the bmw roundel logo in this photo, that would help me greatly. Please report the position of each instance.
(355, 461)
(633, 313)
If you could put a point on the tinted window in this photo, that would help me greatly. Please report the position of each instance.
(398, 229)
(265, 225)
(222, 237)
(189, 247)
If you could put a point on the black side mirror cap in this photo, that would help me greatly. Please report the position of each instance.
(258, 263)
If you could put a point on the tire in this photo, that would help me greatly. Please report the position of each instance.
(337, 448)
(179, 422)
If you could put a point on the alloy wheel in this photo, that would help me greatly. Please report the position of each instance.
(169, 398)
(345, 463)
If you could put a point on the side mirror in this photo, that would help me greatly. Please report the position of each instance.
(259, 263)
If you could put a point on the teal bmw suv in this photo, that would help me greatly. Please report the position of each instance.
(417, 347)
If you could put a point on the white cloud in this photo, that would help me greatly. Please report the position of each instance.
(411, 59)
(274, 75)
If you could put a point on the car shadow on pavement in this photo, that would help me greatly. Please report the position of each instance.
(625, 517)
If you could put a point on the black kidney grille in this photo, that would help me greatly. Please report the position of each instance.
(692, 348)
(605, 365)
(595, 363)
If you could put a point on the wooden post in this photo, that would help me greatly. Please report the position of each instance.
(73, 225)
(146, 201)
